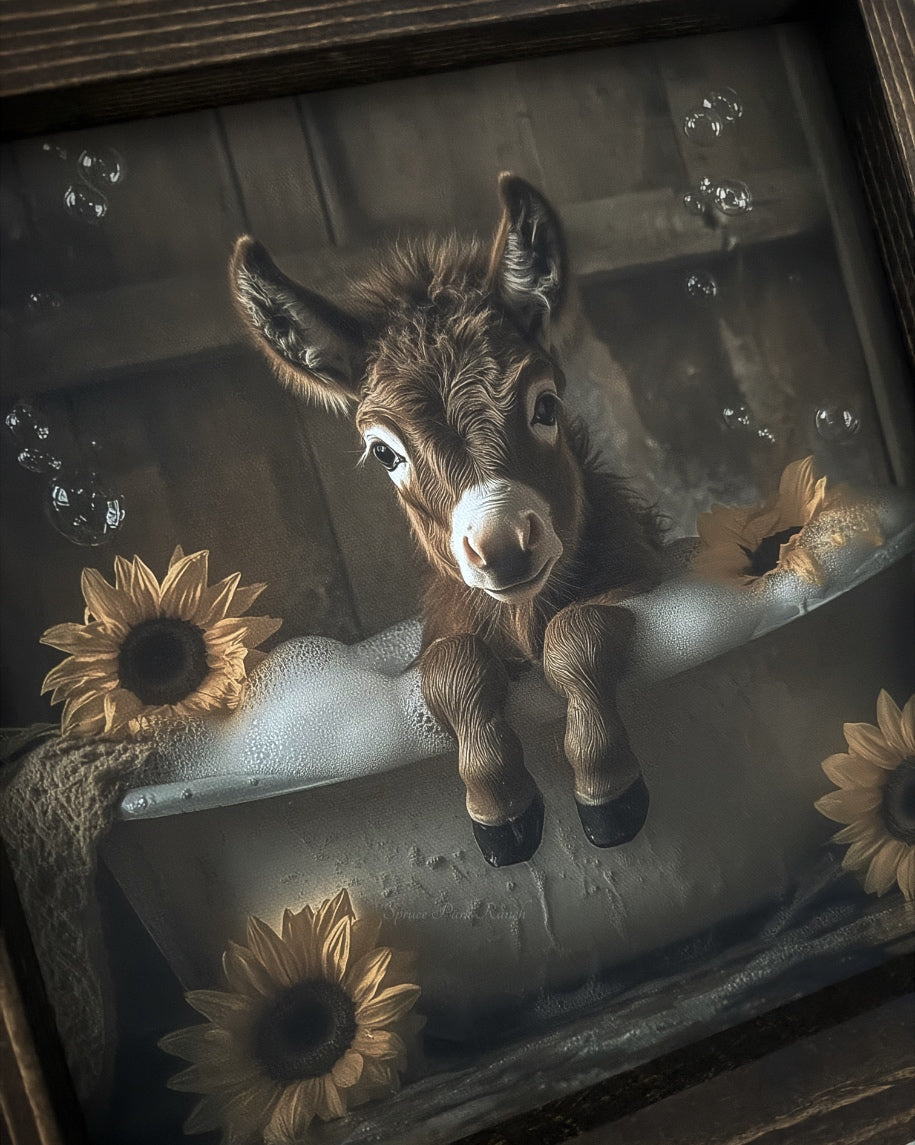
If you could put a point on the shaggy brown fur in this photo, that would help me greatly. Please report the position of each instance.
(439, 344)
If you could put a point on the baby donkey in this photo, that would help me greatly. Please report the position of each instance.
(443, 355)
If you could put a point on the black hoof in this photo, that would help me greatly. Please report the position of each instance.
(618, 820)
(514, 841)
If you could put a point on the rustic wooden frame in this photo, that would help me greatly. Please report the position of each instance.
(68, 64)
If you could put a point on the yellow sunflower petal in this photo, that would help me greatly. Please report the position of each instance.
(74, 670)
(121, 706)
(295, 1110)
(214, 1046)
(377, 1045)
(849, 803)
(272, 952)
(223, 633)
(388, 1006)
(299, 936)
(247, 1112)
(245, 596)
(905, 875)
(335, 952)
(183, 585)
(97, 687)
(889, 720)
(88, 641)
(798, 492)
(881, 874)
(365, 976)
(861, 829)
(380, 1074)
(347, 1071)
(106, 604)
(859, 855)
(851, 771)
(330, 1103)
(214, 1078)
(221, 1006)
(83, 714)
(244, 973)
(907, 727)
(793, 557)
(216, 599)
(137, 580)
(258, 628)
(867, 741)
(330, 912)
(364, 937)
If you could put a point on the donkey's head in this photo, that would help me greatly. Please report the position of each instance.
(443, 355)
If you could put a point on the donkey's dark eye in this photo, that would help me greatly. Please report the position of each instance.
(388, 458)
(545, 410)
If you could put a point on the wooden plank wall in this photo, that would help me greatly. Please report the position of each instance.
(207, 449)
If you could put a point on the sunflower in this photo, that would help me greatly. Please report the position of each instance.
(876, 798)
(148, 651)
(742, 544)
(311, 1026)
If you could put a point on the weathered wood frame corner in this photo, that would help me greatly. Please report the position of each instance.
(68, 65)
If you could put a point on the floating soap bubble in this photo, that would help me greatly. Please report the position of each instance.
(84, 508)
(38, 460)
(702, 286)
(101, 168)
(32, 434)
(725, 102)
(85, 203)
(766, 434)
(738, 417)
(39, 301)
(732, 197)
(835, 423)
(27, 424)
(702, 126)
(695, 203)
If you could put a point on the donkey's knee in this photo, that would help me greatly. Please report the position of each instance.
(465, 686)
(586, 647)
(462, 680)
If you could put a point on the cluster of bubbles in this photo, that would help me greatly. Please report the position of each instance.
(834, 423)
(80, 503)
(740, 417)
(728, 196)
(98, 170)
(702, 286)
(704, 123)
(43, 301)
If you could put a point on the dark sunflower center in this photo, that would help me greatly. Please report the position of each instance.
(898, 806)
(764, 557)
(305, 1030)
(162, 661)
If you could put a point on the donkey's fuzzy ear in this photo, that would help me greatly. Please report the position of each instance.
(528, 265)
(317, 348)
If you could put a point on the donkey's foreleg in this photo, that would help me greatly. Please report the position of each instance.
(584, 654)
(465, 686)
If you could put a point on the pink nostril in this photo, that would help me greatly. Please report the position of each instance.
(531, 532)
(475, 558)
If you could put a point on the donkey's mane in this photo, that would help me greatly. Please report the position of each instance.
(422, 270)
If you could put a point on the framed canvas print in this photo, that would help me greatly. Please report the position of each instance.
(457, 577)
